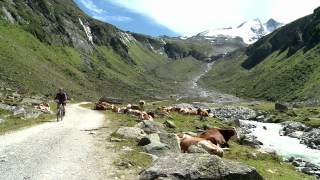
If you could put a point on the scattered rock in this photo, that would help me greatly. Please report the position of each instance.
(171, 140)
(293, 129)
(150, 127)
(245, 128)
(31, 101)
(7, 107)
(170, 124)
(260, 118)
(233, 113)
(131, 132)
(251, 140)
(305, 167)
(311, 138)
(298, 163)
(113, 139)
(291, 159)
(144, 141)
(157, 148)
(280, 107)
(161, 144)
(197, 149)
(198, 166)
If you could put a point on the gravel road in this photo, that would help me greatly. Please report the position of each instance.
(54, 150)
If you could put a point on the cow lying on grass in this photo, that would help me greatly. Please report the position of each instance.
(219, 136)
(186, 141)
(203, 113)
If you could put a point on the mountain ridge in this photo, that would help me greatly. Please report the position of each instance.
(282, 66)
(249, 31)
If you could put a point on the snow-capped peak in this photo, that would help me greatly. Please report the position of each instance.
(249, 31)
(272, 25)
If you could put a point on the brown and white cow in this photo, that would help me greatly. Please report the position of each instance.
(146, 116)
(219, 136)
(186, 141)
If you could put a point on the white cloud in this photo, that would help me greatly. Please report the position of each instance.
(290, 10)
(190, 17)
(91, 6)
(113, 18)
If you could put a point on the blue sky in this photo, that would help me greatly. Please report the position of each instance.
(123, 18)
(189, 17)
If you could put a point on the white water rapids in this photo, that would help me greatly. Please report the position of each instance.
(285, 146)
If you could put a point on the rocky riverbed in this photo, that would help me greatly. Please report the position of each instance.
(289, 139)
(286, 140)
(170, 163)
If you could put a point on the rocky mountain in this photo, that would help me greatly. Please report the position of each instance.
(283, 65)
(46, 44)
(249, 31)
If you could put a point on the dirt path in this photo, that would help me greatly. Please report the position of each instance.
(63, 150)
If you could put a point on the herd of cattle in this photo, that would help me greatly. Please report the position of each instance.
(214, 140)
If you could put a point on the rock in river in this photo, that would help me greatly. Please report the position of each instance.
(312, 138)
(293, 129)
(198, 166)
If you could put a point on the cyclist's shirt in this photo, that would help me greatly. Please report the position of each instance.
(61, 97)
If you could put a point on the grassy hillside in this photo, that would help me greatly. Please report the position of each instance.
(46, 44)
(40, 68)
(277, 67)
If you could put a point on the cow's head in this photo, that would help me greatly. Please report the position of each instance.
(236, 134)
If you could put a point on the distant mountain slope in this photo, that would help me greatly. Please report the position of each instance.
(249, 31)
(46, 44)
(281, 66)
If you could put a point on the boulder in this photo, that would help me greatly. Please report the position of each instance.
(155, 147)
(161, 144)
(19, 111)
(7, 107)
(144, 141)
(296, 134)
(31, 101)
(311, 138)
(198, 166)
(197, 149)
(131, 132)
(32, 114)
(150, 127)
(280, 107)
(150, 138)
(250, 140)
(171, 140)
(293, 129)
(170, 124)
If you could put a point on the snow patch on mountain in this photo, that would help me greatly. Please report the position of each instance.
(249, 31)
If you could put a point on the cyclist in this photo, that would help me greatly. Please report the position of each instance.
(61, 98)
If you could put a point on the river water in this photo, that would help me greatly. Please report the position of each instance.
(283, 145)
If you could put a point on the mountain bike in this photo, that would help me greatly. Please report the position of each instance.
(60, 113)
